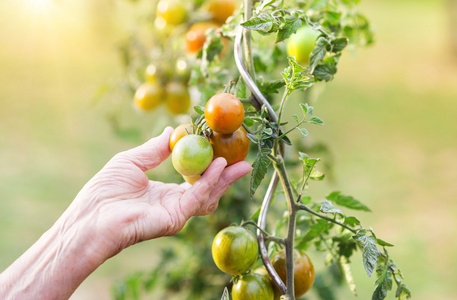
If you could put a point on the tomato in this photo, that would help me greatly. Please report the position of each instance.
(303, 271)
(253, 287)
(235, 250)
(224, 113)
(221, 9)
(177, 98)
(148, 96)
(179, 132)
(196, 37)
(234, 147)
(173, 12)
(192, 155)
(191, 179)
(150, 74)
(301, 44)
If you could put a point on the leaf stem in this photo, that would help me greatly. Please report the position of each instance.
(306, 208)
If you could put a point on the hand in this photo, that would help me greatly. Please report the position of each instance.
(128, 208)
(117, 208)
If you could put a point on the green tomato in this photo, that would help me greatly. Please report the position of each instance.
(253, 287)
(301, 44)
(192, 155)
(235, 250)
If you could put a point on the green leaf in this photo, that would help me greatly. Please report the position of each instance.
(370, 251)
(326, 70)
(296, 119)
(259, 170)
(199, 109)
(328, 208)
(383, 243)
(248, 122)
(351, 221)
(346, 201)
(310, 109)
(263, 22)
(304, 108)
(314, 231)
(303, 132)
(270, 87)
(290, 26)
(316, 175)
(240, 89)
(383, 283)
(339, 44)
(316, 120)
(256, 214)
(318, 53)
(403, 292)
(295, 66)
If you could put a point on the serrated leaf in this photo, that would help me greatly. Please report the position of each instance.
(303, 132)
(286, 140)
(326, 70)
(339, 44)
(316, 120)
(346, 201)
(268, 131)
(351, 221)
(370, 252)
(263, 22)
(383, 283)
(403, 292)
(259, 170)
(318, 53)
(290, 27)
(240, 89)
(328, 208)
(310, 109)
(270, 87)
(199, 109)
(248, 122)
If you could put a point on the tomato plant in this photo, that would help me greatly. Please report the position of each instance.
(242, 62)
(235, 250)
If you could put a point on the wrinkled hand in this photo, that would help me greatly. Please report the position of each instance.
(124, 207)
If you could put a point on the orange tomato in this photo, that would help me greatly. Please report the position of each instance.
(234, 147)
(221, 9)
(196, 37)
(179, 132)
(224, 113)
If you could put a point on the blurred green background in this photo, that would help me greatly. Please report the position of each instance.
(390, 121)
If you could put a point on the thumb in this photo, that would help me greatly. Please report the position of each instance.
(150, 154)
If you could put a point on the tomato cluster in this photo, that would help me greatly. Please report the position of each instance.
(224, 114)
(235, 252)
(164, 84)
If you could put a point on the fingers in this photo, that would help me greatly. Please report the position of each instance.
(203, 197)
(150, 154)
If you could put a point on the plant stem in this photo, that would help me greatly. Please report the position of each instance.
(283, 101)
(306, 208)
(282, 173)
(247, 40)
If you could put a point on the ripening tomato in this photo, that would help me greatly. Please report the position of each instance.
(221, 9)
(148, 96)
(173, 12)
(253, 286)
(150, 74)
(177, 98)
(301, 44)
(303, 270)
(235, 250)
(192, 155)
(196, 36)
(179, 132)
(224, 113)
(234, 147)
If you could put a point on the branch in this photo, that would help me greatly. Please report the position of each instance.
(306, 208)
